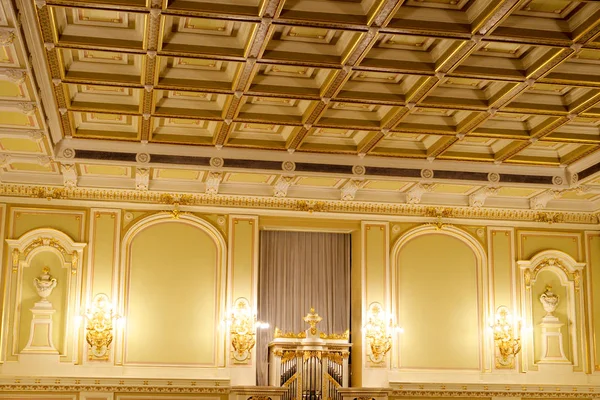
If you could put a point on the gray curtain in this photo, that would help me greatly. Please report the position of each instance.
(297, 271)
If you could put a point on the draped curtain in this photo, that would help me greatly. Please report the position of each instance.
(297, 271)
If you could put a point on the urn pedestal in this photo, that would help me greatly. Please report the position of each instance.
(40, 333)
(552, 340)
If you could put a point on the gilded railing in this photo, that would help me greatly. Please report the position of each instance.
(310, 364)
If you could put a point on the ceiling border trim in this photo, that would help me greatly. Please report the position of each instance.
(390, 172)
(300, 205)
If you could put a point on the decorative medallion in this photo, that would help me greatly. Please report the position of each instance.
(143, 158)
(358, 170)
(426, 173)
(493, 177)
(288, 166)
(216, 162)
(574, 178)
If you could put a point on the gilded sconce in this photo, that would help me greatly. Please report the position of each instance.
(99, 329)
(506, 338)
(242, 324)
(377, 333)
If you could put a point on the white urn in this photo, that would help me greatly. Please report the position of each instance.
(44, 284)
(549, 301)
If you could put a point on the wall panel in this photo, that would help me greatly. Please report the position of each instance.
(438, 301)
(103, 251)
(173, 298)
(501, 256)
(68, 221)
(593, 250)
(532, 242)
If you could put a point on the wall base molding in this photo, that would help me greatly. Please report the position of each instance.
(221, 388)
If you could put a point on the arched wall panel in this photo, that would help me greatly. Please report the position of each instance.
(438, 298)
(173, 295)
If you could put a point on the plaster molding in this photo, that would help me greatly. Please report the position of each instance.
(478, 198)
(142, 178)
(348, 191)
(69, 173)
(290, 204)
(298, 157)
(213, 180)
(414, 195)
(282, 185)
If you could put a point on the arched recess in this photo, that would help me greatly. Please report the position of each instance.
(172, 282)
(28, 255)
(439, 288)
(564, 274)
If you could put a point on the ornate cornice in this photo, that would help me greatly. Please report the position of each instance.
(221, 387)
(562, 394)
(118, 388)
(493, 390)
(126, 385)
(290, 204)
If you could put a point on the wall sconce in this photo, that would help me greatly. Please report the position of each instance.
(99, 330)
(378, 333)
(506, 338)
(242, 326)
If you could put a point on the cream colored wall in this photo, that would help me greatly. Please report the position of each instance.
(173, 282)
(438, 304)
(593, 257)
(172, 296)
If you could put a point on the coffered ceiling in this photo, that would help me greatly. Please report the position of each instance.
(444, 99)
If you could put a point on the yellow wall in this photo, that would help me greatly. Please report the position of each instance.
(173, 279)
(172, 293)
(437, 284)
(501, 257)
(103, 250)
(593, 253)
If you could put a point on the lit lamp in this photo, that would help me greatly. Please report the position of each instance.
(99, 329)
(242, 329)
(378, 333)
(506, 338)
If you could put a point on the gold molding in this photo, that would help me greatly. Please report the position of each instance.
(494, 393)
(288, 335)
(112, 388)
(289, 204)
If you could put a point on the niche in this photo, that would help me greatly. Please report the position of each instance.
(552, 309)
(44, 285)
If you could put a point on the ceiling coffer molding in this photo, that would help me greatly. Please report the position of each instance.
(14, 75)
(359, 61)
(326, 82)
